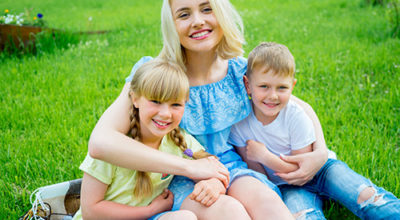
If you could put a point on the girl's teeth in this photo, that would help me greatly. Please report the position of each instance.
(160, 123)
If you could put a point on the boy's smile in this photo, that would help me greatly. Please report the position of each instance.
(269, 93)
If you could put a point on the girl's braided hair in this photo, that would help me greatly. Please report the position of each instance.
(163, 81)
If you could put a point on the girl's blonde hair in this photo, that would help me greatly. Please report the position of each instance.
(162, 81)
(228, 19)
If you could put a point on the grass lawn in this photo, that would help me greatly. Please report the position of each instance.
(348, 68)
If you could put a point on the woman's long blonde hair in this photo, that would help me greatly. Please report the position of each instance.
(228, 19)
(163, 81)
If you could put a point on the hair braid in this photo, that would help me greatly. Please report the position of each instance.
(143, 187)
(134, 131)
(177, 137)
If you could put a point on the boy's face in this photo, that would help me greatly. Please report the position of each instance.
(269, 93)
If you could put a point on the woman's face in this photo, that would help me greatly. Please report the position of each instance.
(196, 24)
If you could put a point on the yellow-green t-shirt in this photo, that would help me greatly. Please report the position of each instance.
(121, 181)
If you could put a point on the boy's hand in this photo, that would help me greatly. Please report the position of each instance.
(256, 151)
(207, 191)
(163, 202)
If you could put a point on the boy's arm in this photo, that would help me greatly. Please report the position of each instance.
(250, 163)
(93, 205)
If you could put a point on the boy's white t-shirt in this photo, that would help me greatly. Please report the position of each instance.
(291, 130)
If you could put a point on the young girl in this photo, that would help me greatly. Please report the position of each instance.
(158, 92)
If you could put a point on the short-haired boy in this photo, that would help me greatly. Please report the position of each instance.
(278, 126)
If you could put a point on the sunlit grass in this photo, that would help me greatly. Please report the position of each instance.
(348, 70)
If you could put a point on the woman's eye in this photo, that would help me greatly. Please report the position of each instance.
(207, 10)
(183, 15)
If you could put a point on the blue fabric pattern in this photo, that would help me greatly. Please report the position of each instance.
(210, 108)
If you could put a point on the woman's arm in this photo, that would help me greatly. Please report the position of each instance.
(108, 142)
(309, 163)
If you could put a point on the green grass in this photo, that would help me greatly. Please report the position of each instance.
(348, 70)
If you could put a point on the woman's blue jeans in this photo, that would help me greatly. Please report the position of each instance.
(337, 181)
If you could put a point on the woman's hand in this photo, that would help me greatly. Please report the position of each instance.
(207, 192)
(207, 168)
(309, 164)
(163, 202)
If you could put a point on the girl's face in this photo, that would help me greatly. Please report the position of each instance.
(158, 119)
(196, 24)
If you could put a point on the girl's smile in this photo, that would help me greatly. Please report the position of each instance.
(161, 124)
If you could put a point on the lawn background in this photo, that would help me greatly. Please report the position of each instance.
(347, 68)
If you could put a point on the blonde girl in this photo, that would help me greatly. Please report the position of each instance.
(158, 92)
(205, 38)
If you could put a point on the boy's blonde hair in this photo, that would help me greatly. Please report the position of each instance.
(228, 19)
(271, 56)
(162, 81)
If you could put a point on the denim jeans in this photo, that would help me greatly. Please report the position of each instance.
(337, 181)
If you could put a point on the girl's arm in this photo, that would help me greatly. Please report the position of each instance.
(93, 205)
(109, 143)
(207, 192)
(309, 163)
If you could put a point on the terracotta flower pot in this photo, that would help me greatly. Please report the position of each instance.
(17, 35)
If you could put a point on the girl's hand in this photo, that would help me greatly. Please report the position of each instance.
(163, 202)
(207, 168)
(256, 151)
(207, 192)
(309, 164)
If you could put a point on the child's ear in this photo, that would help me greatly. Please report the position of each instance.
(133, 98)
(246, 84)
(294, 82)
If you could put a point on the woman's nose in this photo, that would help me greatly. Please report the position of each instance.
(198, 20)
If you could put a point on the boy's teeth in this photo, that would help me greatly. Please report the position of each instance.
(200, 34)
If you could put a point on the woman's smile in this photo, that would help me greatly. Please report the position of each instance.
(200, 35)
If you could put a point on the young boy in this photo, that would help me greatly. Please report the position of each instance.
(278, 126)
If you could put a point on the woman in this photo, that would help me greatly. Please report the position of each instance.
(204, 37)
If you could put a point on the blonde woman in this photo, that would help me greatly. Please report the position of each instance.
(205, 37)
